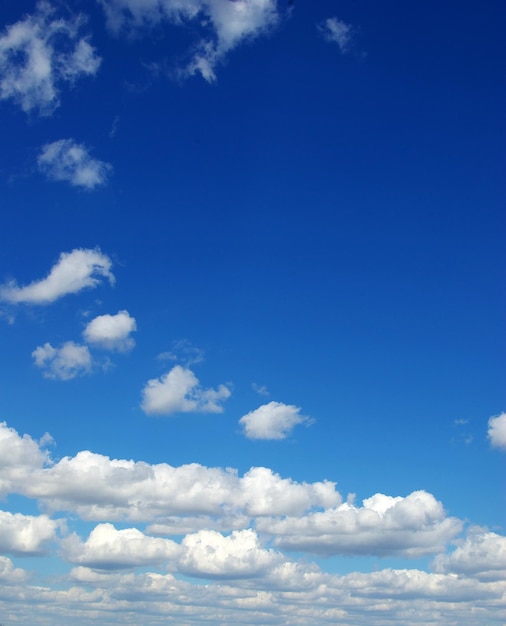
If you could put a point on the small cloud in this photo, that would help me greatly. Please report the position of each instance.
(66, 160)
(460, 422)
(337, 31)
(111, 332)
(497, 431)
(225, 25)
(184, 352)
(179, 391)
(73, 272)
(38, 54)
(260, 389)
(274, 420)
(69, 361)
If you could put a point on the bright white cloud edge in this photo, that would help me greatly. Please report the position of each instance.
(76, 270)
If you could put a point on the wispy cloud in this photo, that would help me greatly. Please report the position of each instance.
(41, 52)
(226, 24)
(273, 420)
(65, 160)
(74, 271)
(179, 391)
(64, 363)
(337, 31)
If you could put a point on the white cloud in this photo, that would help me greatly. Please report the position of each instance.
(109, 548)
(9, 575)
(99, 488)
(273, 420)
(179, 391)
(66, 160)
(69, 361)
(211, 555)
(497, 431)
(25, 534)
(227, 24)
(482, 555)
(413, 526)
(74, 271)
(38, 54)
(111, 332)
(337, 31)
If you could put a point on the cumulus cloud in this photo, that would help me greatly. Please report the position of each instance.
(9, 575)
(497, 431)
(273, 420)
(209, 554)
(413, 526)
(226, 24)
(111, 332)
(40, 53)
(481, 555)
(109, 548)
(337, 31)
(65, 160)
(179, 391)
(25, 534)
(74, 271)
(69, 361)
(99, 488)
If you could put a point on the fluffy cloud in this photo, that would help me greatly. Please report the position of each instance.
(179, 391)
(66, 160)
(497, 431)
(38, 54)
(109, 548)
(25, 534)
(337, 31)
(413, 526)
(74, 271)
(273, 420)
(211, 555)
(111, 332)
(9, 575)
(228, 23)
(99, 488)
(482, 555)
(69, 361)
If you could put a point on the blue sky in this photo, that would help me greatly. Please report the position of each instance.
(252, 312)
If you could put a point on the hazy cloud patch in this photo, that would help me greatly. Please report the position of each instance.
(64, 363)
(336, 31)
(67, 161)
(41, 52)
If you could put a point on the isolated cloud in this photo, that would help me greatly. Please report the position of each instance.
(66, 160)
(226, 24)
(497, 431)
(74, 271)
(109, 548)
(273, 420)
(25, 534)
(482, 555)
(9, 575)
(41, 52)
(69, 361)
(413, 526)
(337, 31)
(211, 555)
(179, 391)
(111, 332)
